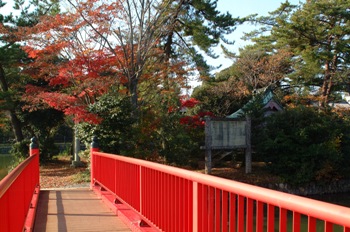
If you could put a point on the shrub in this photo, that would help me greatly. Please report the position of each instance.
(19, 151)
(115, 131)
(302, 145)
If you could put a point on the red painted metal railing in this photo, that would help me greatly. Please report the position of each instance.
(16, 193)
(173, 199)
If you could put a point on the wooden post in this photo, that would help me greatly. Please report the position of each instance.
(208, 135)
(94, 147)
(248, 150)
(76, 162)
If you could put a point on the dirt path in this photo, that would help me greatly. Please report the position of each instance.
(59, 174)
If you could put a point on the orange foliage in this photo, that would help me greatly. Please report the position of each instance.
(74, 58)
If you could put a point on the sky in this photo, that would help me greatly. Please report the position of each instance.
(242, 8)
(239, 8)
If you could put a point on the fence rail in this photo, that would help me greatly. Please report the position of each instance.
(173, 199)
(16, 192)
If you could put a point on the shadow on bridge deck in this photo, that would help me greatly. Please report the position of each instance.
(74, 210)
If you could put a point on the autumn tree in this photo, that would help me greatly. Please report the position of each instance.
(124, 31)
(252, 70)
(260, 69)
(68, 72)
(221, 97)
(123, 48)
(139, 36)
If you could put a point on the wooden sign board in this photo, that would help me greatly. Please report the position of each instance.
(226, 133)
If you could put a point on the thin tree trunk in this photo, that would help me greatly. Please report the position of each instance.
(134, 96)
(15, 122)
(16, 126)
(326, 85)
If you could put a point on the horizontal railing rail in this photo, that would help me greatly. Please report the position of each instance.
(16, 193)
(174, 199)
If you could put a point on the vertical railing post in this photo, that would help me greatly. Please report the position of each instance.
(195, 202)
(94, 147)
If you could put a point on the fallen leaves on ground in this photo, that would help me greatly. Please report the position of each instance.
(59, 173)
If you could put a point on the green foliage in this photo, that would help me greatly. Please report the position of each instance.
(12, 62)
(157, 135)
(115, 132)
(163, 137)
(222, 98)
(302, 145)
(5, 160)
(196, 25)
(31, 12)
(20, 151)
(44, 125)
(5, 164)
(317, 34)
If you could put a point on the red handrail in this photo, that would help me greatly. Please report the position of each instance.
(173, 199)
(16, 192)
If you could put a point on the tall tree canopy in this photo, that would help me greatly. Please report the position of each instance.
(121, 44)
(12, 57)
(317, 34)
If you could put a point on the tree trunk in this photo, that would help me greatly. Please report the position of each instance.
(326, 85)
(15, 122)
(133, 85)
(16, 126)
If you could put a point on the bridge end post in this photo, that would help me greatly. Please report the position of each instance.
(94, 148)
(33, 147)
(34, 150)
(34, 182)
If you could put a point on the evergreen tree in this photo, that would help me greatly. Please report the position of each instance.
(317, 33)
(13, 58)
(196, 23)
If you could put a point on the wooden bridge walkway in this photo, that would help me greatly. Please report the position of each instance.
(74, 210)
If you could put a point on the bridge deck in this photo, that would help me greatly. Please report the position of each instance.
(74, 210)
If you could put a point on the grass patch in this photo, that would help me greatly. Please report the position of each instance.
(82, 177)
(5, 163)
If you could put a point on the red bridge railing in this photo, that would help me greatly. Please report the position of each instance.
(18, 193)
(173, 199)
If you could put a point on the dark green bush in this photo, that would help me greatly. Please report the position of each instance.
(115, 132)
(302, 145)
(19, 152)
(43, 124)
(157, 135)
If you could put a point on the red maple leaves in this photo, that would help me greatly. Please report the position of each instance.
(193, 121)
(71, 86)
